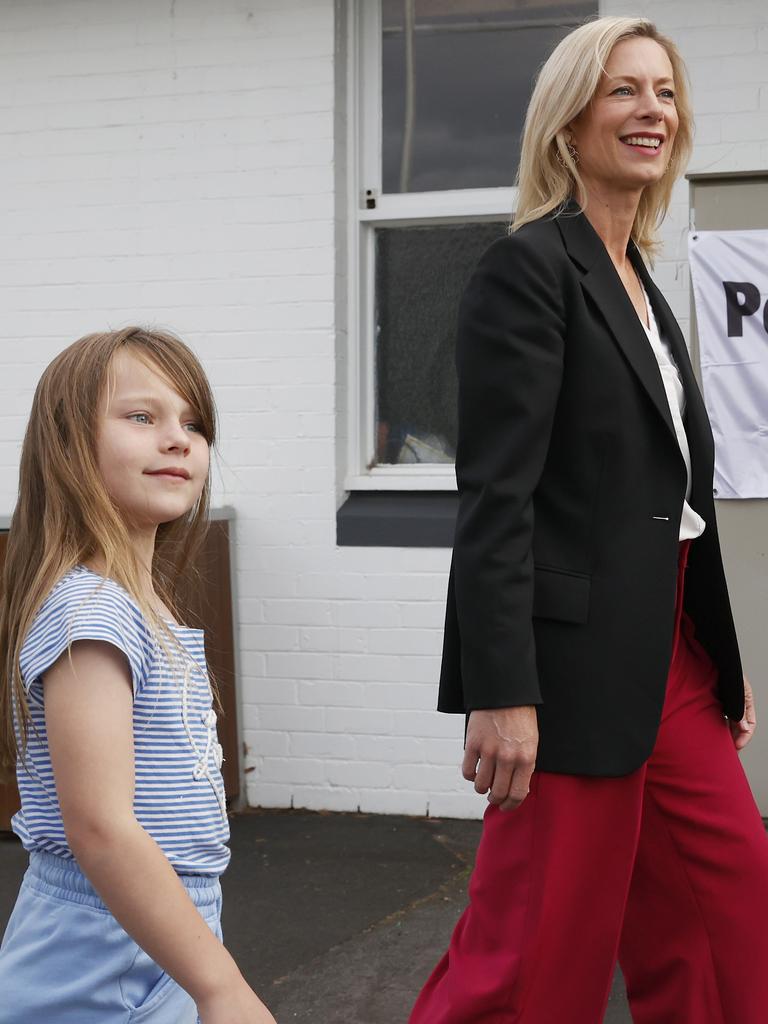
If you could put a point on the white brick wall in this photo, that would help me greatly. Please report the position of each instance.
(183, 164)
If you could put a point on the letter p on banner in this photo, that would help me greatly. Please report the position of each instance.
(729, 271)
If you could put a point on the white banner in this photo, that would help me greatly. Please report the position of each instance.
(729, 270)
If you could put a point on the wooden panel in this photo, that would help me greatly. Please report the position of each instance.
(208, 604)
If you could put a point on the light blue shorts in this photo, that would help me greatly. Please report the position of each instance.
(65, 959)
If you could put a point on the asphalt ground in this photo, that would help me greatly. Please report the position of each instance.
(336, 918)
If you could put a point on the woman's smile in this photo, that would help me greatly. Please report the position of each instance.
(647, 143)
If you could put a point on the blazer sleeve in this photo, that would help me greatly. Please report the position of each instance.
(509, 360)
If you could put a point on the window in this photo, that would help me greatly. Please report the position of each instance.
(438, 92)
(420, 273)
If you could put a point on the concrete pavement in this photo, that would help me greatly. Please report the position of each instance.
(336, 918)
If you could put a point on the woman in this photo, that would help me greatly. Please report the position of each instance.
(584, 466)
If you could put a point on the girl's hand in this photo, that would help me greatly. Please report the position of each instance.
(744, 730)
(238, 1005)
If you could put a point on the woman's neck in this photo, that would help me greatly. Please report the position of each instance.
(612, 215)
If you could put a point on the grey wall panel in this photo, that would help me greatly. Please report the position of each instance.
(736, 202)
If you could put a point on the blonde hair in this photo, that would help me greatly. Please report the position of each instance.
(64, 515)
(548, 175)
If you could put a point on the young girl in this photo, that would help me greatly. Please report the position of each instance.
(106, 700)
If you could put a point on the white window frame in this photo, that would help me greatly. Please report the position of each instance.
(364, 116)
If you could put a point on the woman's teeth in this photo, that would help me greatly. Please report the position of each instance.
(642, 140)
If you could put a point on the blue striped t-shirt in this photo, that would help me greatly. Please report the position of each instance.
(179, 792)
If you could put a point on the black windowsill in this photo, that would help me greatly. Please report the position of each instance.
(397, 519)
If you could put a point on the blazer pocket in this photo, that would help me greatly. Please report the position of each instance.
(561, 594)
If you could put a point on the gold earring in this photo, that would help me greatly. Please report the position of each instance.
(573, 153)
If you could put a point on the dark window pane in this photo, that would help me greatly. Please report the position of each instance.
(453, 113)
(420, 275)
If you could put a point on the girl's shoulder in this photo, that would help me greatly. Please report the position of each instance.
(80, 579)
(85, 606)
(81, 594)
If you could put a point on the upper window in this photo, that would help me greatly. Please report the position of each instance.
(438, 104)
(456, 79)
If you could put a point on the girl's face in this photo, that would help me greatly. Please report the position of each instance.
(151, 453)
(625, 135)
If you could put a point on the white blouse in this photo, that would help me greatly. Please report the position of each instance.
(691, 523)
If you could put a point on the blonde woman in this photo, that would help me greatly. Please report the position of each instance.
(576, 640)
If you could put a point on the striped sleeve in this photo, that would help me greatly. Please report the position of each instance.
(83, 606)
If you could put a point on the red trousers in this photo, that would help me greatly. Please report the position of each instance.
(665, 870)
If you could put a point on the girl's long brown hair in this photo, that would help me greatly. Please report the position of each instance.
(64, 515)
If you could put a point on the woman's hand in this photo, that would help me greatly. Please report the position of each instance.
(504, 741)
(744, 730)
(237, 1004)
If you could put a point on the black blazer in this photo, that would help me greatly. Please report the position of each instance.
(571, 484)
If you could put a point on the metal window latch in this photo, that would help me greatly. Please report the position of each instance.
(370, 199)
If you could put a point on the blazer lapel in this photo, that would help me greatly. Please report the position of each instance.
(604, 286)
